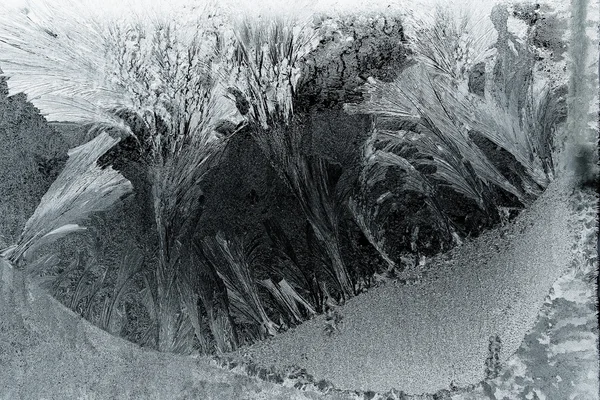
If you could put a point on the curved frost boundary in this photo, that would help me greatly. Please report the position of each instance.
(434, 334)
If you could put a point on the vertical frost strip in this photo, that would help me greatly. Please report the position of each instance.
(582, 103)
